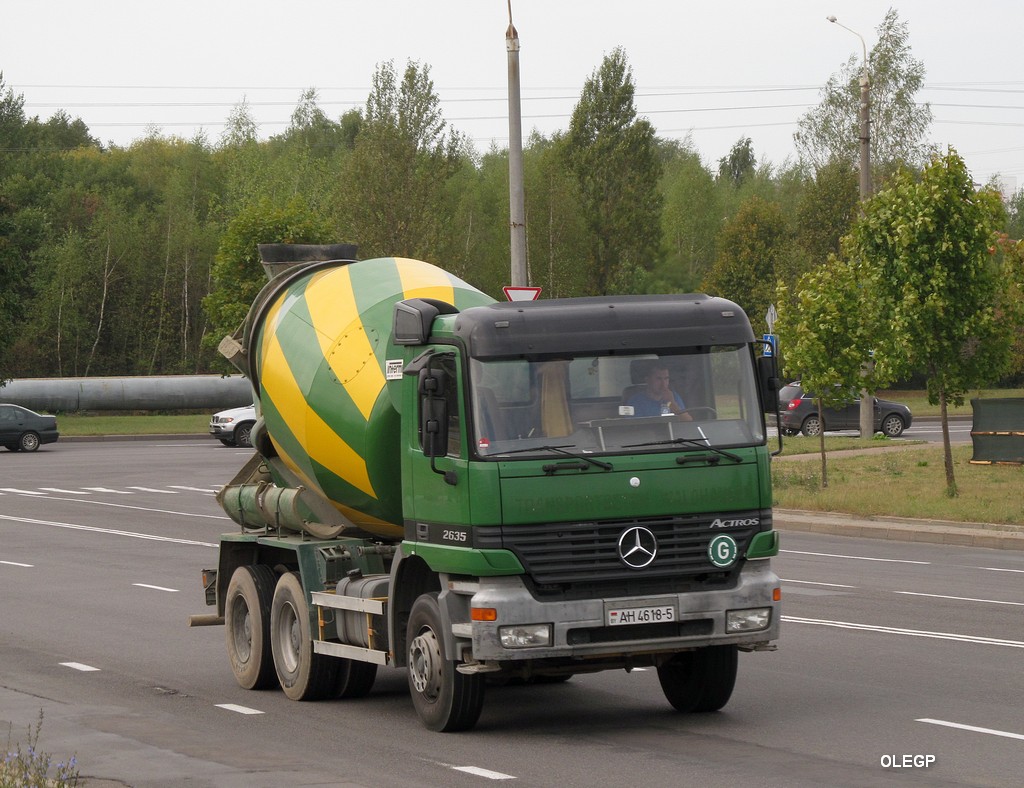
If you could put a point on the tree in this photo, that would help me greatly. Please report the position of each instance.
(393, 198)
(750, 248)
(237, 273)
(826, 210)
(931, 244)
(614, 158)
(739, 164)
(826, 334)
(691, 220)
(831, 130)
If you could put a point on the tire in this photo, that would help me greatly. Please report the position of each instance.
(355, 679)
(701, 680)
(226, 441)
(811, 426)
(445, 699)
(302, 674)
(247, 626)
(243, 433)
(28, 441)
(893, 426)
(11, 446)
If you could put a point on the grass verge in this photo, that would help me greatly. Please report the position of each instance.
(146, 424)
(910, 482)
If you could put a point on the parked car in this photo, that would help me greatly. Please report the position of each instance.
(22, 429)
(232, 427)
(799, 413)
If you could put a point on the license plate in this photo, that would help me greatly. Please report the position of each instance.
(658, 614)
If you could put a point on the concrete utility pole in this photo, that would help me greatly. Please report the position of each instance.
(516, 199)
(867, 403)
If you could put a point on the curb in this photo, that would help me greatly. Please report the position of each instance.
(990, 535)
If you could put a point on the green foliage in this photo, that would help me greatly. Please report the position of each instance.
(615, 161)
(395, 201)
(948, 305)
(750, 249)
(690, 222)
(739, 164)
(237, 273)
(831, 130)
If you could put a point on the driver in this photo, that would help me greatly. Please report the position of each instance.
(657, 398)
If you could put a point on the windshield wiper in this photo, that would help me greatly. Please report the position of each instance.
(561, 450)
(692, 442)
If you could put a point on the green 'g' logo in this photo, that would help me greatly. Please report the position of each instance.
(723, 551)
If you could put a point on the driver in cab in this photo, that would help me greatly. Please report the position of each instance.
(657, 398)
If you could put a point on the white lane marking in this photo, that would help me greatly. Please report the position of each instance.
(994, 569)
(156, 588)
(66, 492)
(15, 563)
(478, 772)
(194, 489)
(238, 709)
(812, 583)
(973, 728)
(140, 508)
(961, 598)
(857, 557)
(153, 490)
(108, 490)
(917, 633)
(16, 491)
(79, 666)
(109, 531)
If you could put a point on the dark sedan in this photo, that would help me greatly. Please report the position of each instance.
(800, 414)
(24, 430)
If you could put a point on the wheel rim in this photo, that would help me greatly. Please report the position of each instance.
(29, 442)
(892, 426)
(242, 629)
(424, 665)
(289, 636)
(812, 426)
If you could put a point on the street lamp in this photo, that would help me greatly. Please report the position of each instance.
(867, 427)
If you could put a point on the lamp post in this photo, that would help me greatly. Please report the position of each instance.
(517, 210)
(867, 405)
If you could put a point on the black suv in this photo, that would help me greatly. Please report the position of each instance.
(800, 414)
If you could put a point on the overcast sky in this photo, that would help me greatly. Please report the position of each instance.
(718, 71)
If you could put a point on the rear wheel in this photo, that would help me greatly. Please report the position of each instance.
(355, 679)
(893, 426)
(445, 699)
(29, 441)
(247, 626)
(302, 674)
(811, 426)
(700, 680)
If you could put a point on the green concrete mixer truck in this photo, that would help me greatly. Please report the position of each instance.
(477, 492)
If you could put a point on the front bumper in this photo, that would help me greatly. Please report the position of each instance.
(580, 630)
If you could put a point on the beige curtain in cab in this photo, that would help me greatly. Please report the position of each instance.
(555, 419)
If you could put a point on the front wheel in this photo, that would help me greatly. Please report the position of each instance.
(247, 626)
(243, 433)
(892, 426)
(302, 674)
(29, 442)
(700, 680)
(445, 699)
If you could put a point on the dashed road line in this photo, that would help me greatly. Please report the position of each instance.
(65, 492)
(17, 491)
(194, 489)
(476, 771)
(156, 588)
(109, 531)
(153, 490)
(973, 728)
(79, 666)
(107, 490)
(857, 557)
(16, 563)
(238, 709)
(812, 583)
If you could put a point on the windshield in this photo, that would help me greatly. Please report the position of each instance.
(603, 404)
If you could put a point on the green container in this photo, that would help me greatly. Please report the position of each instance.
(318, 346)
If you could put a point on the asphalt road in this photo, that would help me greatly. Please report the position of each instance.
(898, 662)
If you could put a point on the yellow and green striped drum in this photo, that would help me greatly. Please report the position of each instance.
(320, 352)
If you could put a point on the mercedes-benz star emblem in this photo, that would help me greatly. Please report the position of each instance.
(637, 547)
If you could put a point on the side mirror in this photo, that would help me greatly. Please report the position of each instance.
(768, 381)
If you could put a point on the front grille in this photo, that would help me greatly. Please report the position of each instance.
(581, 559)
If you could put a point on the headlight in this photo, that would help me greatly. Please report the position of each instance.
(748, 620)
(525, 635)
